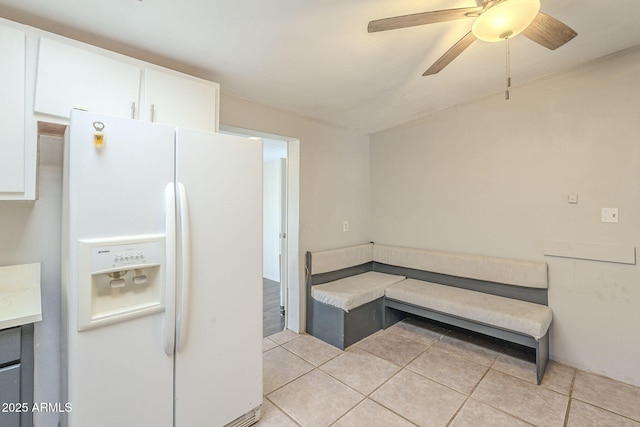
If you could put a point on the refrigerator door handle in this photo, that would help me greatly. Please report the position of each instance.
(170, 285)
(184, 269)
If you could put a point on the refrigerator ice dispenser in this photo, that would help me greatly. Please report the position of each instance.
(120, 279)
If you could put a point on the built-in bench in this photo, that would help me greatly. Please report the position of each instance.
(353, 292)
(345, 295)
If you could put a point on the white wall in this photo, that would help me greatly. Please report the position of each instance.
(30, 232)
(334, 177)
(492, 178)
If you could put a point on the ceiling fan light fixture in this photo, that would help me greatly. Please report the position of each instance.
(505, 19)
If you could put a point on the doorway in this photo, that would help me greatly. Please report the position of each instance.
(281, 292)
(274, 233)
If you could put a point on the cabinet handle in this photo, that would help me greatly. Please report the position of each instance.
(133, 110)
(152, 112)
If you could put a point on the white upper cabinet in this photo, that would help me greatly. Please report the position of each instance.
(70, 77)
(179, 99)
(12, 113)
(74, 75)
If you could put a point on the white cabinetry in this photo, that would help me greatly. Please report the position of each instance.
(12, 110)
(82, 76)
(178, 99)
(70, 77)
(44, 76)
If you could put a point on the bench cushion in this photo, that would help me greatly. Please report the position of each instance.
(530, 274)
(510, 314)
(354, 291)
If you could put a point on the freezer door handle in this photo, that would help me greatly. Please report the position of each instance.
(184, 268)
(170, 285)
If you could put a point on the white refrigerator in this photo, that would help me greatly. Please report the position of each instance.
(162, 275)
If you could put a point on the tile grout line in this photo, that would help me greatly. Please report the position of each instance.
(602, 409)
(368, 396)
(527, 383)
(491, 367)
(402, 368)
(365, 397)
(315, 367)
(468, 396)
(290, 381)
(566, 414)
(380, 386)
(595, 405)
(286, 414)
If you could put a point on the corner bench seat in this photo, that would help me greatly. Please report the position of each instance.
(506, 313)
(354, 291)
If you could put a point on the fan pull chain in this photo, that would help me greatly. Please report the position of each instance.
(508, 69)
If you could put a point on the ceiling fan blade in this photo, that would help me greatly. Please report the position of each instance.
(549, 32)
(451, 54)
(421, 19)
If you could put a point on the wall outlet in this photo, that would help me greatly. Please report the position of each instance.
(609, 214)
(345, 226)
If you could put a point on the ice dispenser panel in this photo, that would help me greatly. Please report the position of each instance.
(120, 279)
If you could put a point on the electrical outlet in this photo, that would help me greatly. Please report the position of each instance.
(345, 226)
(609, 214)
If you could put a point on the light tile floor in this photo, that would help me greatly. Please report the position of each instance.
(419, 374)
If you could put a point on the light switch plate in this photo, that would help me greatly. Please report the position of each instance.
(609, 214)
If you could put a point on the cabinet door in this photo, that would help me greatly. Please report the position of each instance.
(10, 396)
(12, 90)
(180, 100)
(70, 77)
(9, 345)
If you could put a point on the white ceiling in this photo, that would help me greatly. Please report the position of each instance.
(315, 57)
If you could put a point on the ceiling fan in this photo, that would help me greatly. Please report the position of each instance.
(495, 20)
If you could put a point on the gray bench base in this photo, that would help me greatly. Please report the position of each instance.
(342, 329)
(394, 312)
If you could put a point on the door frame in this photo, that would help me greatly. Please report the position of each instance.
(293, 295)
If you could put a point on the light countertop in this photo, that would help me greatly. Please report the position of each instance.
(20, 301)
